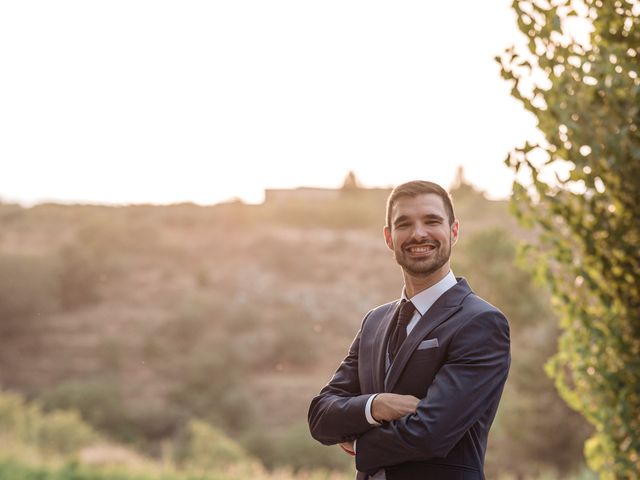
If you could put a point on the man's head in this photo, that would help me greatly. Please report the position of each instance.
(421, 228)
(418, 187)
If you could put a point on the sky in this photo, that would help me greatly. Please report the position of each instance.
(203, 101)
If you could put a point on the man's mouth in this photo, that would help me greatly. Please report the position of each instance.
(420, 249)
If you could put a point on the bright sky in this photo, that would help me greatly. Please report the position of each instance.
(168, 101)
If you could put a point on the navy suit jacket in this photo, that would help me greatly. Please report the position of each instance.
(459, 382)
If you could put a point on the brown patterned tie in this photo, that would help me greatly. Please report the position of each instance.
(405, 314)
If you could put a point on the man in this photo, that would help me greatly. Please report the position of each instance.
(417, 393)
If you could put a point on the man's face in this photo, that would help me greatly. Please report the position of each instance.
(420, 235)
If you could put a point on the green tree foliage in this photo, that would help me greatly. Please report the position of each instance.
(585, 94)
(525, 437)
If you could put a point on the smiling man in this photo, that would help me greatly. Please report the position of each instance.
(417, 393)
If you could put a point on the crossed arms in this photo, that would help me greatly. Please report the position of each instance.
(466, 385)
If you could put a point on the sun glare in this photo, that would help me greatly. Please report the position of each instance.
(161, 102)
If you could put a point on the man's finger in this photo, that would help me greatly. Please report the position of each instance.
(347, 447)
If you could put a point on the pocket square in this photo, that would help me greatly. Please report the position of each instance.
(430, 343)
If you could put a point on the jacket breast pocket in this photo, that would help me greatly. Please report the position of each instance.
(428, 343)
(420, 371)
(429, 354)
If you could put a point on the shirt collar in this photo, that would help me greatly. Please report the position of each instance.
(427, 297)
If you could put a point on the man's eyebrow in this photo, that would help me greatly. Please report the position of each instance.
(400, 219)
(428, 216)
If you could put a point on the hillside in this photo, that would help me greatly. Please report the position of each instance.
(143, 317)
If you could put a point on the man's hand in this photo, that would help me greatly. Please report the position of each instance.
(347, 447)
(391, 406)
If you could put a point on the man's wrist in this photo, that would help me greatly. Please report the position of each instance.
(368, 411)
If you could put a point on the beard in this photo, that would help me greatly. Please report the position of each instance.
(423, 267)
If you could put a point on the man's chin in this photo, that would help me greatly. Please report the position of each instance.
(421, 268)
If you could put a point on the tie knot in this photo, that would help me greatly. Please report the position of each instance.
(406, 312)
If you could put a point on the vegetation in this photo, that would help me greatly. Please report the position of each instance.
(581, 188)
(222, 322)
(526, 432)
(59, 432)
(60, 446)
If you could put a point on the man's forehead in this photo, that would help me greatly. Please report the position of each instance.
(424, 203)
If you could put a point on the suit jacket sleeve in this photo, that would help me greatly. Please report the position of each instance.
(337, 413)
(466, 386)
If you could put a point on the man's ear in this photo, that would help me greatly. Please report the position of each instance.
(454, 232)
(387, 237)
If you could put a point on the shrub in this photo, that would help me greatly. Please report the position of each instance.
(301, 452)
(58, 432)
(64, 432)
(209, 448)
(295, 449)
(100, 403)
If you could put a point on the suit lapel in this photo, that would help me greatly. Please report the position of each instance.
(384, 329)
(443, 309)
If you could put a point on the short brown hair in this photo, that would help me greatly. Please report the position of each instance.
(419, 187)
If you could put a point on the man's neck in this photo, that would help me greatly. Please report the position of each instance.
(415, 284)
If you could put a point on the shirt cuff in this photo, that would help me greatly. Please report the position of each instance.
(367, 411)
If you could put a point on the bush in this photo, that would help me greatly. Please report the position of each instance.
(211, 387)
(301, 452)
(16, 418)
(296, 449)
(64, 432)
(100, 403)
(209, 448)
(58, 432)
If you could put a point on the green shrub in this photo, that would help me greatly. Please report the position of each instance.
(64, 432)
(58, 432)
(295, 449)
(301, 452)
(100, 403)
(17, 418)
(211, 387)
(209, 448)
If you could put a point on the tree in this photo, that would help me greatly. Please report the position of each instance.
(351, 183)
(581, 187)
(525, 436)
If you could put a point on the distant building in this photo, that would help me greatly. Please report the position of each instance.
(350, 182)
(351, 187)
(300, 194)
(461, 186)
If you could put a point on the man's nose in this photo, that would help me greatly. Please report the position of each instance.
(420, 231)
